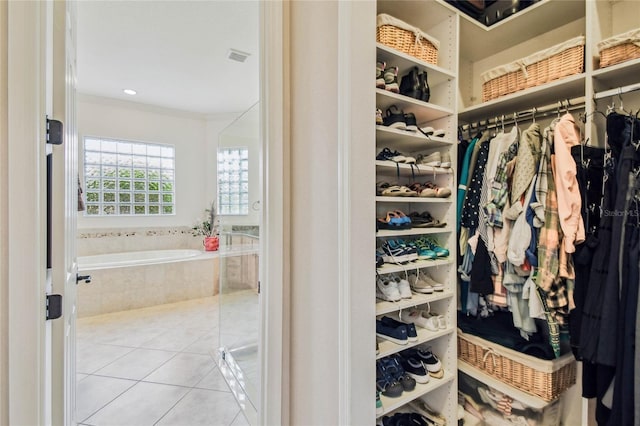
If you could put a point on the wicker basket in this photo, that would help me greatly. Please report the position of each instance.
(619, 48)
(401, 36)
(539, 377)
(557, 62)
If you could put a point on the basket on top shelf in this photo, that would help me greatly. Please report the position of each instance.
(556, 62)
(619, 48)
(406, 38)
(546, 379)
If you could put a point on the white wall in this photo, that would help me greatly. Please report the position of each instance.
(4, 281)
(188, 132)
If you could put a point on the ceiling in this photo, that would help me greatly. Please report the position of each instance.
(173, 53)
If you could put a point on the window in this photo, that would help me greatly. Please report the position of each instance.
(128, 178)
(233, 181)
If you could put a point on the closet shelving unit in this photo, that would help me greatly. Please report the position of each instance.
(440, 112)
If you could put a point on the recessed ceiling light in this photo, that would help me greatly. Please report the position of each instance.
(237, 55)
(130, 92)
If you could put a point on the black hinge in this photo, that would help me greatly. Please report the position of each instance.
(258, 286)
(55, 133)
(54, 306)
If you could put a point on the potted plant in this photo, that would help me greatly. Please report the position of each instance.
(208, 227)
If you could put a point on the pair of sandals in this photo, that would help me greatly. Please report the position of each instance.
(385, 189)
(425, 220)
(395, 220)
(429, 190)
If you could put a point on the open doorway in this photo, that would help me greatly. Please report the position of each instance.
(153, 318)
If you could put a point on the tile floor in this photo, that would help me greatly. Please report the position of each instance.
(153, 366)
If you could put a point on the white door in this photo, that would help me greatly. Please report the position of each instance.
(64, 213)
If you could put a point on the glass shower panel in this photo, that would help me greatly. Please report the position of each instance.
(239, 194)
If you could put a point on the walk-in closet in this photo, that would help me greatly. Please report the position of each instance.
(507, 212)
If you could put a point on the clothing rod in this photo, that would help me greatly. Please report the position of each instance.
(566, 105)
(618, 91)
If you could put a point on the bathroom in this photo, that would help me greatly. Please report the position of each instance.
(140, 248)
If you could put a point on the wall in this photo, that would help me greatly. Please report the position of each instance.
(4, 282)
(130, 121)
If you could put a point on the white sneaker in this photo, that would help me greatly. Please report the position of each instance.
(404, 288)
(446, 160)
(433, 159)
(431, 282)
(418, 285)
(439, 133)
(442, 322)
(419, 318)
(387, 290)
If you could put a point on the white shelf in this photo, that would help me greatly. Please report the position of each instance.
(424, 111)
(381, 199)
(566, 88)
(407, 142)
(617, 75)
(387, 347)
(406, 169)
(392, 268)
(525, 398)
(435, 74)
(384, 233)
(390, 404)
(417, 299)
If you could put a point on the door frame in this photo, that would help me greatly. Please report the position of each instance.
(26, 214)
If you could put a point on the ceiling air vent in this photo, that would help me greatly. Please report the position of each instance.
(237, 55)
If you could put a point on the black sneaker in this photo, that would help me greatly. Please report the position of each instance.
(414, 368)
(386, 381)
(410, 120)
(395, 118)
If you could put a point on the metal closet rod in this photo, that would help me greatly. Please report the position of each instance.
(618, 91)
(536, 112)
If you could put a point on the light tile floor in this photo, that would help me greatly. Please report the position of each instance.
(153, 366)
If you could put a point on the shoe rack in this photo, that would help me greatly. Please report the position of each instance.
(435, 19)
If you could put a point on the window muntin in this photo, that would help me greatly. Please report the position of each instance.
(233, 181)
(128, 178)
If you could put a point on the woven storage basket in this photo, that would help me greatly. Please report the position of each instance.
(539, 377)
(408, 39)
(559, 61)
(619, 48)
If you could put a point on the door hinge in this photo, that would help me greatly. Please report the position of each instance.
(55, 133)
(258, 286)
(54, 306)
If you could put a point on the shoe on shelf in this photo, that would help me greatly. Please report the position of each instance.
(430, 362)
(439, 191)
(412, 334)
(391, 79)
(439, 133)
(419, 318)
(442, 322)
(446, 160)
(420, 286)
(396, 334)
(427, 131)
(387, 290)
(430, 281)
(386, 382)
(425, 220)
(379, 120)
(393, 253)
(425, 91)
(433, 245)
(393, 366)
(409, 249)
(387, 155)
(380, 66)
(422, 191)
(379, 407)
(410, 120)
(388, 190)
(419, 406)
(395, 118)
(379, 258)
(410, 84)
(413, 367)
(434, 160)
(405, 290)
(394, 221)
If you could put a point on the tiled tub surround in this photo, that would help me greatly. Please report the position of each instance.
(132, 287)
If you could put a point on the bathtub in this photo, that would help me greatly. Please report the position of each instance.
(121, 260)
(132, 280)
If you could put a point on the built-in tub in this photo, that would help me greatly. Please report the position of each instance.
(131, 280)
